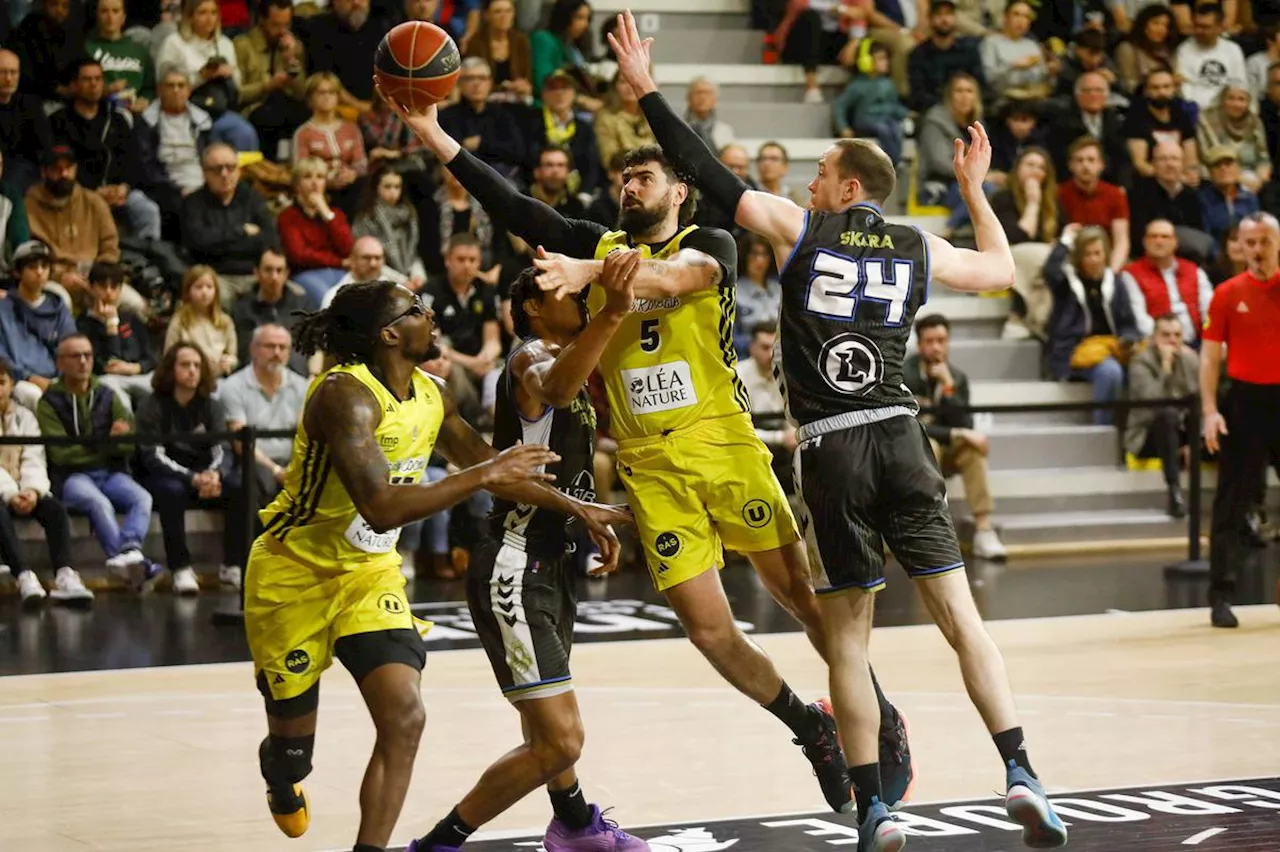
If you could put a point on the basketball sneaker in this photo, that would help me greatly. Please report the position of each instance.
(1027, 805)
(824, 753)
(897, 769)
(879, 832)
(290, 809)
(416, 846)
(601, 835)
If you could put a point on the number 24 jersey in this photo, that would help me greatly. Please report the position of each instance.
(850, 293)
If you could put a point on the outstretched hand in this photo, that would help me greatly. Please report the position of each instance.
(632, 53)
(620, 268)
(561, 273)
(521, 463)
(971, 166)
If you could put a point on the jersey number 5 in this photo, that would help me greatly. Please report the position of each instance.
(838, 282)
(649, 338)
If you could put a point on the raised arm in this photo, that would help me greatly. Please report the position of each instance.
(779, 220)
(531, 220)
(344, 415)
(991, 266)
(549, 375)
(687, 271)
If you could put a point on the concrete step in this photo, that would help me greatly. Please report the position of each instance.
(971, 318)
(1018, 392)
(796, 120)
(1117, 525)
(678, 39)
(750, 84)
(1025, 446)
(997, 359)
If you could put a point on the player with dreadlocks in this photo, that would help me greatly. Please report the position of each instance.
(323, 579)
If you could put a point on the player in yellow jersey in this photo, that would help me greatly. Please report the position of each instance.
(323, 580)
(698, 477)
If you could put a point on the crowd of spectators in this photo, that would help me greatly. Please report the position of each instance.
(179, 178)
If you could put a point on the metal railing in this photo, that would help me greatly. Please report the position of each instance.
(249, 436)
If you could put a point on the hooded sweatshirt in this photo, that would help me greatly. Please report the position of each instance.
(29, 336)
(23, 466)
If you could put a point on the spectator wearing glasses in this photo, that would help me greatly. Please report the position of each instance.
(226, 224)
(25, 492)
(94, 479)
(336, 142)
(487, 130)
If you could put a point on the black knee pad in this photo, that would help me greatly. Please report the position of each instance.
(285, 760)
(289, 708)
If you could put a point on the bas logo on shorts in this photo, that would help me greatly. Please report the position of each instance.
(757, 513)
(668, 545)
(297, 661)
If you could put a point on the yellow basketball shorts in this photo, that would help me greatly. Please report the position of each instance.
(699, 490)
(293, 614)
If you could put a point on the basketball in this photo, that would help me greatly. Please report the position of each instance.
(417, 65)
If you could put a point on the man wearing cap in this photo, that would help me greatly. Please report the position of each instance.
(559, 123)
(1223, 200)
(75, 222)
(32, 323)
(933, 62)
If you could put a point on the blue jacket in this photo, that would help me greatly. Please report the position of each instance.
(29, 336)
(1218, 214)
(1069, 322)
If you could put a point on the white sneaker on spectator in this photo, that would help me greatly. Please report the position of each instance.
(814, 96)
(229, 575)
(69, 588)
(5, 570)
(29, 588)
(987, 545)
(185, 583)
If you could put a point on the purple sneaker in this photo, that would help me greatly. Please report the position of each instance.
(602, 835)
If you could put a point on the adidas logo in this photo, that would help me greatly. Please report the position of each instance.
(390, 408)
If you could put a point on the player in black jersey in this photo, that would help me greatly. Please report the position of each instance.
(520, 588)
(852, 283)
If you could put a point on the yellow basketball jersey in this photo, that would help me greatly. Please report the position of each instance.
(671, 362)
(314, 518)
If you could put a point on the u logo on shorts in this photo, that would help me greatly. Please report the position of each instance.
(391, 603)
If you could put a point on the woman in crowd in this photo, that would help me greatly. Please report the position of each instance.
(506, 49)
(200, 321)
(333, 140)
(1232, 121)
(200, 50)
(945, 122)
(621, 125)
(1149, 46)
(179, 474)
(1092, 327)
(1032, 218)
(317, 239)
(759, 293)
(385, 213)
(566, 43)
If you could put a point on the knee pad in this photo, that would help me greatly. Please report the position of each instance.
(285, 760)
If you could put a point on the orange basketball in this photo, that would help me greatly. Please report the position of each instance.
(417, 65)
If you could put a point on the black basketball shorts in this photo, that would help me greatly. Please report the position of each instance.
(524, 607)
(868, 486)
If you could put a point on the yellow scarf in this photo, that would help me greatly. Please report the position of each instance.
(557, 135)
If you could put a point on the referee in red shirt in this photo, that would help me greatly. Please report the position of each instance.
(1244, 317)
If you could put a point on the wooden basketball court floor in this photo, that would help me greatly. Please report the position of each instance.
(162, 758)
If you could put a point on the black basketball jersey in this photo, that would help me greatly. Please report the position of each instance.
(570, 432)
(850, 292)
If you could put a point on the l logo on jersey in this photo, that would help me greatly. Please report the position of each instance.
(851, 363)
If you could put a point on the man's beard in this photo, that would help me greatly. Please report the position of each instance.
(1159, 103)
(432, 353)
(60, 188)
(357, 18)
(641, 220)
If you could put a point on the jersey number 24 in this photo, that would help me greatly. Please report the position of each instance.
(839, 282)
